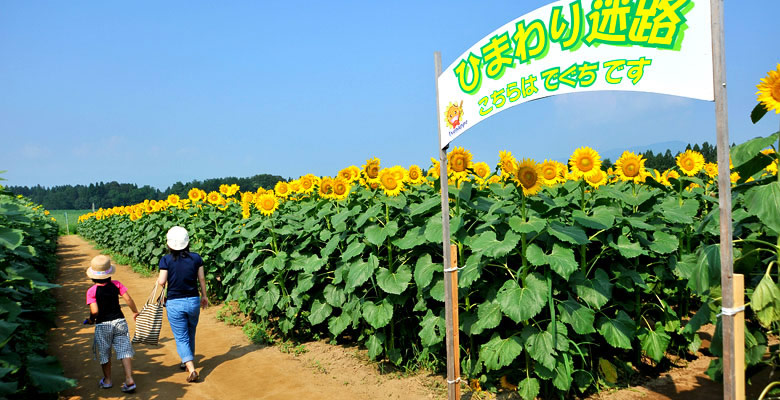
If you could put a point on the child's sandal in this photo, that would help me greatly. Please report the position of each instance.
(128, 389)
(103, 385)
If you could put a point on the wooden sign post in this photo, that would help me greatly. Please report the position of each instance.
(449, 266)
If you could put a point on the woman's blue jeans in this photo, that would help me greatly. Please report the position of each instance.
(183, 316)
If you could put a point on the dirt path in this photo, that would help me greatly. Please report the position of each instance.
(229, 365)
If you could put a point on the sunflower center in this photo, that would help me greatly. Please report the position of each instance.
(776, 91)
(549, 173)
(528, 178)
(389, 182)
(339, 189)
(458, 164)
(585, 164)
(688, 163)
(631, 170)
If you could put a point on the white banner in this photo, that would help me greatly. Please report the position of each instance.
(658, 46)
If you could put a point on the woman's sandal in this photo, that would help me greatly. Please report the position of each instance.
(128, 389)
(103, 385)
(193, 376)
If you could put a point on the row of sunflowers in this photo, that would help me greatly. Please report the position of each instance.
(585, 163)
(571, 277)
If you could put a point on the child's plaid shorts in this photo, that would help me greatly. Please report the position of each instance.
(112, 333)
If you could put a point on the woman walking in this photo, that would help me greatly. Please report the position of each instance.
(183, 271)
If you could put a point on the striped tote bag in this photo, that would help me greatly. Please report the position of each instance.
(149, 321)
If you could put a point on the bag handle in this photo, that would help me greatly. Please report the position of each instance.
(153, 298)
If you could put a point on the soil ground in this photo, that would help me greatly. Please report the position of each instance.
(231, 367)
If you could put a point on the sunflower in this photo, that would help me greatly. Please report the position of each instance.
(481, 170)
(474, 385)
(341, 188)
(233, 189)
(260, 191)
(772, 167)
(630, 167)
(415, 175)
(307, 183)
(671, 174)
(224, 189)
(734, 178)
(583, 160)
(507, 162)
(247, 197)
(326, 187)
(245, 213)
(769, 91)
(692, 186)
(295, 187)
(400, 173)
(506, 385)
(458, 160)
(690, 162)
(223, 204)
(266, 203)
(390, 184)
(173, 200)
(435, 170)
(528, 176)
(596, 178)
(711, 169)
(214, 198)
(549, 172)
(282, 189)
(371, 168)
(194, 195)
(345, 174)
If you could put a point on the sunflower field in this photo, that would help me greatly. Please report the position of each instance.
(28, 262)
(573, 277)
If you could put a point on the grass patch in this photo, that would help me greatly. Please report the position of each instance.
(117, 258)
(69, 216)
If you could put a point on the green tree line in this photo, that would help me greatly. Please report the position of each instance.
(109, 194)
(665, 160)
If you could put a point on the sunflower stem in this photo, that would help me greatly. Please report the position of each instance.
(523, 239)
(387, 240)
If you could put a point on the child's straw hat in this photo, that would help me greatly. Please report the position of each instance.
(100, 268)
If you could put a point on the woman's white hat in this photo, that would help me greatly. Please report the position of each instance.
(100, 268)
(178, 238)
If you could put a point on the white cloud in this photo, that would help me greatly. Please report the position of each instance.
(35, 152)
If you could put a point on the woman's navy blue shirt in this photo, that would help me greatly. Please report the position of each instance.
(182, 274)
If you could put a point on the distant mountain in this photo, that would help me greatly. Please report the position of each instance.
(675, 146)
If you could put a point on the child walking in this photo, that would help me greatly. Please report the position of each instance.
(111, 328)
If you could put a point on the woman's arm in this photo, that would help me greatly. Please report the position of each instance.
(204, 300)
(163, 278)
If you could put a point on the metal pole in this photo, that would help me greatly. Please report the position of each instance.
(730, 374)
(453, 381)
(67, 225)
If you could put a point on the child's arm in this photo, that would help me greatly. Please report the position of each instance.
(131, 304)
(93, 312)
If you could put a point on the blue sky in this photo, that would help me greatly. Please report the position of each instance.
(158, 92)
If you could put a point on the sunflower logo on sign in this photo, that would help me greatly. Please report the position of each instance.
(453, 114)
